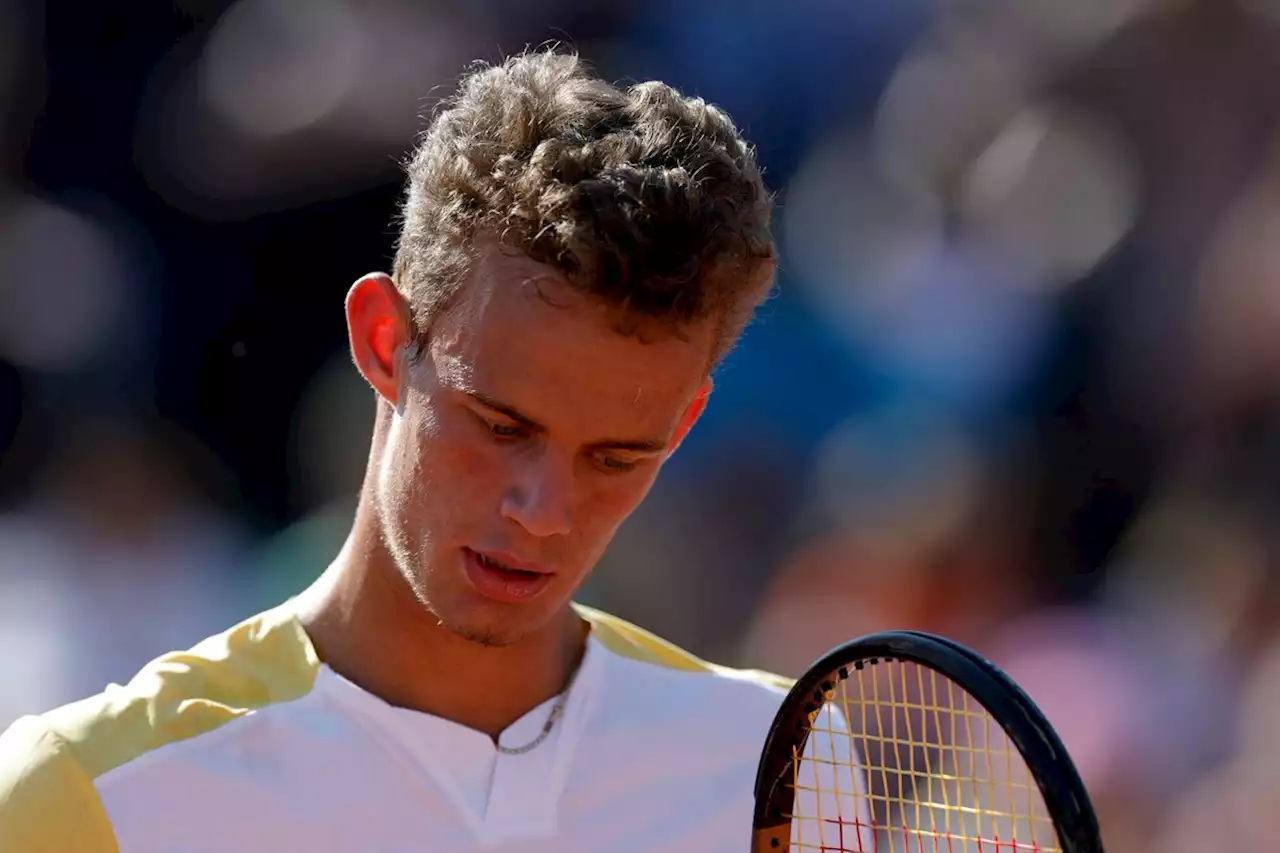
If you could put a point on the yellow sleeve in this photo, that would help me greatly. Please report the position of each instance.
(48, 803)
(631, 641)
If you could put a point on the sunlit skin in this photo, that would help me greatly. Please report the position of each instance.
(529, 426)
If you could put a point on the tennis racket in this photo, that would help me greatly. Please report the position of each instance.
(904, 742)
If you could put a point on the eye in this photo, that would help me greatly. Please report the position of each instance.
(499, 430)
(507, 431)
(615, 465)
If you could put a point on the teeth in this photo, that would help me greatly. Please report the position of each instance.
(502, 567)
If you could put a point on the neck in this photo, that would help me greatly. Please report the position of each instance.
(368, 626)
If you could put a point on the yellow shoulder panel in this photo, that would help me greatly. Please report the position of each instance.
(623, 638)
(47, 802)
(48, 764)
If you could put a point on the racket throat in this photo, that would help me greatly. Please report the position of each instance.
(775, 839)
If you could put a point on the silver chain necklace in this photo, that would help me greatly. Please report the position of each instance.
(555, 714)
(557, 711)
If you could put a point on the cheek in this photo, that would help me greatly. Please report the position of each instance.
(401, 463)
(394, 491)
(415, 481)
(609, 500)
(465, 475)
(465, 463)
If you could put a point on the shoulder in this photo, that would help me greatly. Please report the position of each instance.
(670, 688)
(49, 764)
(47, 799)
(637, 644)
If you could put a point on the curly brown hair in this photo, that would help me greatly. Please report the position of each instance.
(647, 199)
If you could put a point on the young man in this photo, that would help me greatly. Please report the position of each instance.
(574, 261)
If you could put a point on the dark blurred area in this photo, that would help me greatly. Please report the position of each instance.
(1019, 384)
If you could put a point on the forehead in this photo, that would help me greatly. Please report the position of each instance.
(520, 332)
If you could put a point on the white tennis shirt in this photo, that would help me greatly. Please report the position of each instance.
(248, 743)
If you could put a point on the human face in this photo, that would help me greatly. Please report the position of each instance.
(527, 432)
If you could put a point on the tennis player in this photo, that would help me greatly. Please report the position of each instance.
(574, 260)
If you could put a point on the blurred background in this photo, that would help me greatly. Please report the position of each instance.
(1020, 384)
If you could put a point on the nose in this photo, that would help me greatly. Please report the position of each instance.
(541, 498)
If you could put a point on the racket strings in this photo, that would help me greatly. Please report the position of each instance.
(901, 760)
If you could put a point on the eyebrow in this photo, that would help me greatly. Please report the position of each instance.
(629, 445)
(509, 411)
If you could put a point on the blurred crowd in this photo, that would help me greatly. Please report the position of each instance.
(1020, 383)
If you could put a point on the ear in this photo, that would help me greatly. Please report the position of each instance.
(379, 330)
(691, 415)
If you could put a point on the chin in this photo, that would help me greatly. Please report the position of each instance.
(493, 631)
(497, 625)
(487, 637)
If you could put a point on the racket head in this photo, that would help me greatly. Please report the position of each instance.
(966, 673)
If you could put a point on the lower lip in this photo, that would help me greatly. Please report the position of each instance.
(499, 585)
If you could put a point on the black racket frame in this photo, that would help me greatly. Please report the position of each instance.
(1047, 759)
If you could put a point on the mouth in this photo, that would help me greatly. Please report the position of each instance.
(504, 579)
